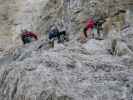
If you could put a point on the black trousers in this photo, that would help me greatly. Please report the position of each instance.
(62, 33)
(85, 32)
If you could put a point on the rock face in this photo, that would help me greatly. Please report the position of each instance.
(38, 15)
(70, 71)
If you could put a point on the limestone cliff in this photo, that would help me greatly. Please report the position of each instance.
(38, 15)
(71, 70)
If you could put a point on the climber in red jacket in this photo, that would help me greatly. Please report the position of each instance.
(28, 37)
(89, 26)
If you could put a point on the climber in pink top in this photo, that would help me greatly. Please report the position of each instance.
(89, 26)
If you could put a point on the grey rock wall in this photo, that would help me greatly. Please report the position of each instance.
(70, 71)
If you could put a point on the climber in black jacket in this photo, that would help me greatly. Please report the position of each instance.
(54, 33)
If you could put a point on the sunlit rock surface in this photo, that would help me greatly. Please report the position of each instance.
(70, 71)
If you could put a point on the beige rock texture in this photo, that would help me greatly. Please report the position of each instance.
(38, 15)
(96, 70)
